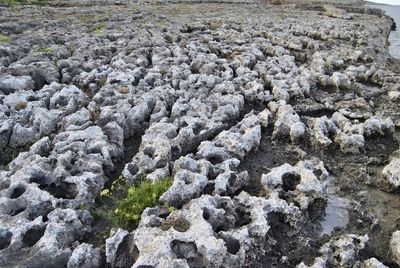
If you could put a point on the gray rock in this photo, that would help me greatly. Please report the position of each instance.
(298, 183)
(395, 246)
(85, 256)
(22, 135)
(340, 251)
(120, 250)
(371, 263)
(9, 84)
(391, 172)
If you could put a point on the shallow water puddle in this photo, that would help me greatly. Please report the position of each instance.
(336, 213)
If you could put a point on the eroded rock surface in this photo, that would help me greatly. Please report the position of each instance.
(252, 107)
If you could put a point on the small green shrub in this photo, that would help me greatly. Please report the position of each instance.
(4, 39)
(101, 82)
(46, 50)
(86, 18)
(128, 210)
(215, 25)
(98, 29)
(71, 50)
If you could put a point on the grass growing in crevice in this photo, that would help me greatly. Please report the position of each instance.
(8, 154)
(99, 28)
(4, 39)
(46, 50)
(129, 201)
(216, 24)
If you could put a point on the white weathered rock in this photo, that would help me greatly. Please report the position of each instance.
(395, 246)
(352, 143)
(285, 118)
(394, 95)
(340, 251)
(116, 246)
(10, 84)
(320, 131)
(68, 99)
(236, 142)
(298, 181)
(391, 173)
(378, 126)
(297, 131)
(371, 263)
(186, 186)
(85, 256)
(264, 117)
(22, 135)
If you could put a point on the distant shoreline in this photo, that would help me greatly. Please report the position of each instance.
(373, 3)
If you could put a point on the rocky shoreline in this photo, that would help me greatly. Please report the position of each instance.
(279, 124)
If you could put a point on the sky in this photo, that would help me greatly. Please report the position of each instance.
(390, 2)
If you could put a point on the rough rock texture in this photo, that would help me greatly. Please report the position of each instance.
(85, 256)
(391, 172)
(340, 252)
(276, 120)
(395, 246)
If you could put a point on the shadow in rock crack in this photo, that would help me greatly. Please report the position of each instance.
(270, 154)
(101, 225)
(131, 148)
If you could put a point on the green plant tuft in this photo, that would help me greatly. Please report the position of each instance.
(147, 194)
(4, 39)
(98, 29)
(128, 210)
(47, 50)
(215, 25)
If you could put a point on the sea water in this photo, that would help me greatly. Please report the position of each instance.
(394, 39)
